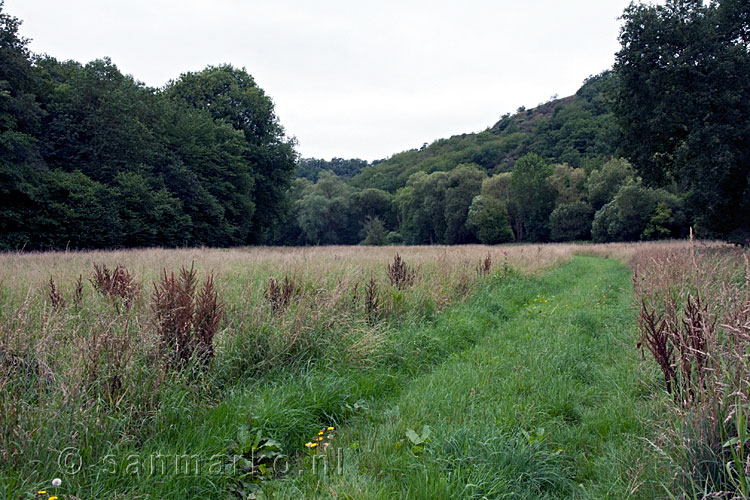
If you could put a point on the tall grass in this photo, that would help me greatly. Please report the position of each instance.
(100, 350)
(542, 401)
(695, 321)
(90, 359)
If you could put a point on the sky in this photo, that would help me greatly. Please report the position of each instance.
(349, 79)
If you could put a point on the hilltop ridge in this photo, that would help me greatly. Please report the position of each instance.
(578, 130)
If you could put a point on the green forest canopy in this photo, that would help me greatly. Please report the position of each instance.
(91, 158)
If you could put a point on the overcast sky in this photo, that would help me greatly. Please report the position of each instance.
(350, 79)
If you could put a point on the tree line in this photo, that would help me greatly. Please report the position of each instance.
(534, 202)
(657, 145)
(92, 158)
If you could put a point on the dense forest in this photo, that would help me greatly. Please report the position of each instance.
(660, 143)
(93, 158)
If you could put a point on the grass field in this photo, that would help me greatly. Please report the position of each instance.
(548, 402)
(478, 372)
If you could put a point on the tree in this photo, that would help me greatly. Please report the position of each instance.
(231, 94)
(21, 171)
(309, 168)
(82, 146)
(372, 203)
(532, 200)
(498, 187)
(488, 220)
(463, 184)
(150, 217)
(107, 125)
(97, 120)
(81, 213)
(421, 207)
(638, 212)
(291, 233)
(207, 171)
(323, 212)
(682, 102)
(571, 221)
(568, 183)
(375, 233)
(659, 222)
(604, 183)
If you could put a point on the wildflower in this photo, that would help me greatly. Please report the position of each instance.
(56, 482)
(308, 445)
(41, 492)
(52, 498)
(330, 428)
(313, 445)
(320, 433)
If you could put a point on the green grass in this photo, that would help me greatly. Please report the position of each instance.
(532, 389)
(548, 404)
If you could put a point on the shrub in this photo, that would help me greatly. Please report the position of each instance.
(186, 323)
(279, 294)
(400, 274)
(115, 283)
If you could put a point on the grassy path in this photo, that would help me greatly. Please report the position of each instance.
(548, 404)
(530, 389)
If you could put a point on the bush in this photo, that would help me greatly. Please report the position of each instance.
(186, 322)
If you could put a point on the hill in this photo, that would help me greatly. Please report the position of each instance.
(578, 130)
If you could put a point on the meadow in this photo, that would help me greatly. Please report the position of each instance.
(519, 371)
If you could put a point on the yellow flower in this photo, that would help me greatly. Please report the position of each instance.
(330, 428)
(41, 492)
(52, 498)
(313, 445)
(320, 433)
(308, 444)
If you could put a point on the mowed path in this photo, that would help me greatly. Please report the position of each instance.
(551, 401)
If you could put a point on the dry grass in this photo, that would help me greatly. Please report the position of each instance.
(695, 321)
(32, 269)
(69, 353)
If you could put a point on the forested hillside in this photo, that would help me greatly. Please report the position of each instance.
(92, 158)
(657, 145)
(542, 174)
(578, 130)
